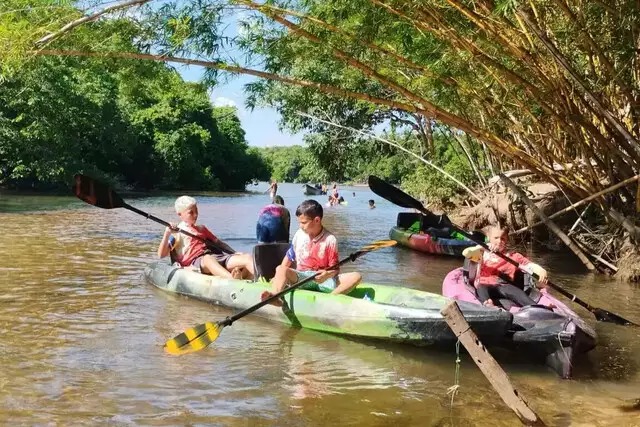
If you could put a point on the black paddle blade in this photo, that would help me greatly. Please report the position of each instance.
(605, 316)
(96, 193)
(402, 199)
(393, 194)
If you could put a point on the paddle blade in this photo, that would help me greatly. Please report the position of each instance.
(378, 245)
(393, 194)
(95, 193)
(606, 316)
(194, 339)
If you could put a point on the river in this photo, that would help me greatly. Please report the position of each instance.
(82, 334)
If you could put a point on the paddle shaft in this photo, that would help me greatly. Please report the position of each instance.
(166, 224)
(229, 320)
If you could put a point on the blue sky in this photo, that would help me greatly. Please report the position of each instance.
(260, 125)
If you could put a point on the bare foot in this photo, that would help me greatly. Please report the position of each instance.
(488, 303)
(236, 273)
(266, 294)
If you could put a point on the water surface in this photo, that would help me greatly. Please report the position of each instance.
(82, 335)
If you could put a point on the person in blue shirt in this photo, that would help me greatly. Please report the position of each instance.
(273, 222)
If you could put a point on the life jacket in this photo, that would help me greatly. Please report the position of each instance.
(522, 280)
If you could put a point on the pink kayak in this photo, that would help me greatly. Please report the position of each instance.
(549, 328)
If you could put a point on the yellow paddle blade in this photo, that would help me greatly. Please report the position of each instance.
(193, 339)
(379, 244)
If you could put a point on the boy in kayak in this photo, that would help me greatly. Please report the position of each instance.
(194, 253)
(313, 249)
(494, 274)
(273, 222)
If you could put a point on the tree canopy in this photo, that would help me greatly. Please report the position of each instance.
(550, 86)
(137, 123)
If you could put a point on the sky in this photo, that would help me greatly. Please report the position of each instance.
(260, 125)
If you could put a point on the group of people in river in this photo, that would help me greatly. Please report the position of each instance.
(314, 249)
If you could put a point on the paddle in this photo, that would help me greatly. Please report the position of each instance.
(99, 194)
(400, 198)
(201, 336)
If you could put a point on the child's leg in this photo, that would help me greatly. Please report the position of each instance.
(482, 291)
(516, 295)
(346, 282)
(242, 261)
(283, 276)
(209, 265)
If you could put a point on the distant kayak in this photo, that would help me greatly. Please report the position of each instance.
(310, 190)
(429, 243)
(414, 231)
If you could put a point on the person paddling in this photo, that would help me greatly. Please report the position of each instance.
(492, 281)
(313, 249)
(193, 253)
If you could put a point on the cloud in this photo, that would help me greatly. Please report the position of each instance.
(221, 101)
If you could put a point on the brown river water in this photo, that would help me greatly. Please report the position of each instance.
(82, 334)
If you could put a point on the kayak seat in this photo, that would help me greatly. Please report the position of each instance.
(406, 219)
(266, 257)
(441, 233)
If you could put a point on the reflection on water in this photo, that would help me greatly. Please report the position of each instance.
(82, 336)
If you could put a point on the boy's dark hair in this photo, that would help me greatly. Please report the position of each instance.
(309, 208)
(278, 200)
(371, 201)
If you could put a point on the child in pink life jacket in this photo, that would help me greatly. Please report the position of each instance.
(492, 281)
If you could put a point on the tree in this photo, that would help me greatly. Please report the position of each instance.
(540, 83)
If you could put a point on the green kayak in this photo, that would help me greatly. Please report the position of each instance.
(371, 311)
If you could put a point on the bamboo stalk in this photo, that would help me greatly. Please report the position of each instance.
(588, 94)
(334, 90)
(582, 202)
(76, 23)
(552, 226)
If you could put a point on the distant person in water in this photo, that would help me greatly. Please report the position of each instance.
(273, 222)
(354, 194)
(372, 204)
(273, 189)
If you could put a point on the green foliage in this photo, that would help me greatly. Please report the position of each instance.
(134, 122)
(291, 164)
